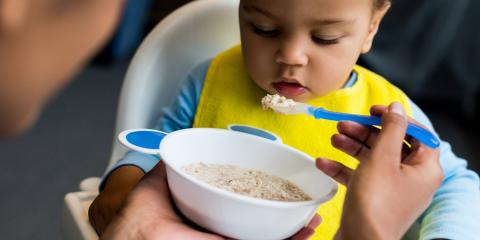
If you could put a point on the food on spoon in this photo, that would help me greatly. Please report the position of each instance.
(278, 103)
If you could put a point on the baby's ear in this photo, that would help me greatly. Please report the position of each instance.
(12, 14)
(377, 17)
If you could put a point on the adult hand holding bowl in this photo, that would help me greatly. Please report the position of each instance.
(235, 215)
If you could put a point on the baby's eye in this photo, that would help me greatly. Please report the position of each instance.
(265, 32)
(325, 41)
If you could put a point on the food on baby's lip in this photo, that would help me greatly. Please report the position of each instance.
(276, 101)
(247, 182)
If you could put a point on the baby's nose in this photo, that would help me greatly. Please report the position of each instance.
(292, 53)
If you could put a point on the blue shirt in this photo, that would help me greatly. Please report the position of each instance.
(453, 214)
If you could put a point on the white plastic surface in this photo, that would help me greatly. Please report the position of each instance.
(190, 35)
(75, 224)
(90, 184)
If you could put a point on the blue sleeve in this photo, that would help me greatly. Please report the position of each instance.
(179, 115)
(455, 208)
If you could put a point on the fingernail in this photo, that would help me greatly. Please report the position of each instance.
(397, 108)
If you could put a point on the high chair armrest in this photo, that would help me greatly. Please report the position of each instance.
(75, 223)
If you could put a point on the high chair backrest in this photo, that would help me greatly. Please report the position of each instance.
(193, 33)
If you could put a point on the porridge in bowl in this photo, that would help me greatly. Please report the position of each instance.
(248, 182)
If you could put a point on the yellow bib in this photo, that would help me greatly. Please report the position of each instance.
(229, 96)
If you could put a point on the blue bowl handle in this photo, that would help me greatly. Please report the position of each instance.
(142, 140)
(259, 132)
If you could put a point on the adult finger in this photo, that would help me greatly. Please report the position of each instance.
(425, 161)
(156, 176)
(350, 146)
(390, 139)
(316, 220)
(153, 183)
(159, 171)
(378, 110)
(303, 234)
(308, 230)
(335, 170)
(421, 153)
(364, 134)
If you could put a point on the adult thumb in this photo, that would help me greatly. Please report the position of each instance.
(390, 139)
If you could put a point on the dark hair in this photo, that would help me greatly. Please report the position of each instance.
(381, 3)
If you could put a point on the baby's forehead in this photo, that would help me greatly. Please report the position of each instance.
(318, 13)
(318, 7)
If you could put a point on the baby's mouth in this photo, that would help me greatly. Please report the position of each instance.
(289, 89)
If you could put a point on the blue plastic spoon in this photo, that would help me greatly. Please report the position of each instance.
(422, 134)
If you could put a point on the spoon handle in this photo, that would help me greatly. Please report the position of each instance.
(420, 133)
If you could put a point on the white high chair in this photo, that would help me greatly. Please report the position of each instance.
(193, 33)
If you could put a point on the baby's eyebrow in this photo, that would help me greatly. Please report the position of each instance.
(332, 21)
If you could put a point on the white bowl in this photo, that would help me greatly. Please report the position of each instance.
(235, 215)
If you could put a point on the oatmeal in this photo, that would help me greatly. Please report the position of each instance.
(247, 182)
(276, 101)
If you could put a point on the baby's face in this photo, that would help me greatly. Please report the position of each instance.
(303, 49)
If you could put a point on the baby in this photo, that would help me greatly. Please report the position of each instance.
(304, 50)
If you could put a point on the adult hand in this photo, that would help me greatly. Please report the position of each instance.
(148, 213)
(393, 184)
